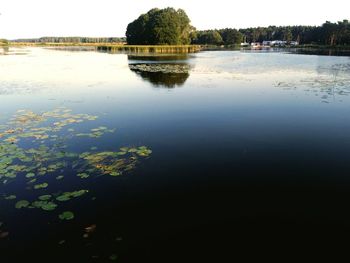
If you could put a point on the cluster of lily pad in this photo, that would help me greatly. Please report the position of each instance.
(161, 68)
(34, 146)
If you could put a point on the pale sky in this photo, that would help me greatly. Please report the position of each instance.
(105, 18)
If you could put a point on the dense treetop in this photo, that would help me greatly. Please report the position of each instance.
(160, 27)
(327, 34)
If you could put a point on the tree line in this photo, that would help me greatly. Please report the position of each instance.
(327, 34)
(72, 40)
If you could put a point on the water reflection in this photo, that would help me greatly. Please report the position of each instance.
(159, 57)
(160, 78)
(320, 52)
(161, 71)
(330, 82)
(6, 50)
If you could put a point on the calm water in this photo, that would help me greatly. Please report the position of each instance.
(245, 146)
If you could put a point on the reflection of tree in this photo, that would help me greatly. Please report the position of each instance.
(4, 50)
(162, 75)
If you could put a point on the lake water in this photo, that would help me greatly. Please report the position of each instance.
(235, 147)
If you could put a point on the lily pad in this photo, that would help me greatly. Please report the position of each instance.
(10, 197)
(83, 175)
(45, 205)
(22, 204)
(40, 186)
(29, 175)
(44, 197)
(67, 215)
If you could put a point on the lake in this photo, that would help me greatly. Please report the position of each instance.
(129, 158)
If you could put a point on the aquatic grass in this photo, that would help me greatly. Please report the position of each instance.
(158, 49)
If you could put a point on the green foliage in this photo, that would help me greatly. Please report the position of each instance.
(328, 34)
(160, 27)
(231, 36)
(208, 37)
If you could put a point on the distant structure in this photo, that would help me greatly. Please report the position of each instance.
(269, 43)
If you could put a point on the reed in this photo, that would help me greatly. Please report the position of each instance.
(150, 49)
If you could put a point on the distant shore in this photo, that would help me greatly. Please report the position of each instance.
(120, 47)
(108, 47)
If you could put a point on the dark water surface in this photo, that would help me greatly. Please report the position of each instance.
(247, 147)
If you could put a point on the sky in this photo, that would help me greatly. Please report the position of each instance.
(107, 18)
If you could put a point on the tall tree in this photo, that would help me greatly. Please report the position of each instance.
(160, 27)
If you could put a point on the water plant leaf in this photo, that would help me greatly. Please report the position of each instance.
(40, 186)
(29, 175)
(67, 215)
(45, 205)
(44, 197)
(21, 204)
(10, 197)
(83, 175)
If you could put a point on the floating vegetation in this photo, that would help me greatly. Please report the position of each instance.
(44, 197)
(161, 68)
(10, 197)
(22, 204)
(45, 205)
(39, 186)
(330, 82)
(33, 148)
(96, 133)
(67, 215)
(83, 175)
(69, 195)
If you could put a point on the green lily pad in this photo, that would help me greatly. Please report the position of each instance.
(69, 195)
(44, 197)
(10, 197)
(47, 206)
(29, 175)
(60, 177)
(83, 175)
(40, 186)
(22, 204)
(67, 215)
(32, 181)
(63, 198)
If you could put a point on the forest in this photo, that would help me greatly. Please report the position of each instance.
(72, 40)
(328, 33)
(169, 26)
